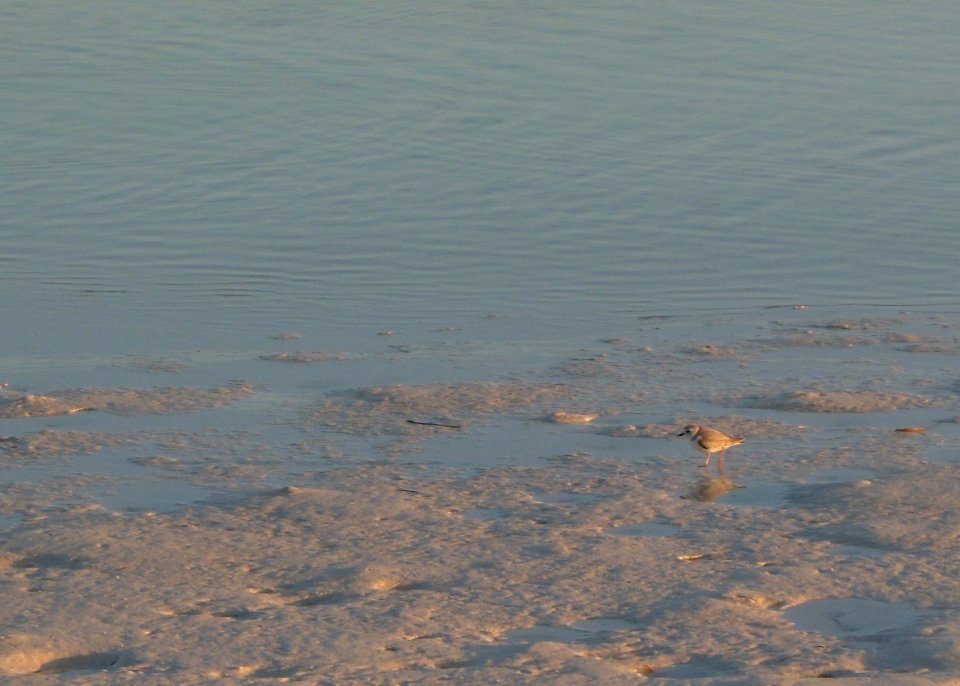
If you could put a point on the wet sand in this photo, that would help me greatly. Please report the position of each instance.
(377, 575)
(354, 546)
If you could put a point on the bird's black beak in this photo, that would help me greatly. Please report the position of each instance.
(681, 433)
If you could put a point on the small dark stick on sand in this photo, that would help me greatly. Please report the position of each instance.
(437, 424)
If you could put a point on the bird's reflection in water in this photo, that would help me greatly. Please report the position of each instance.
(707, 489)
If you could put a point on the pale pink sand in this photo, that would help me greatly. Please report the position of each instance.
(511, 576)
(827, 552)
(119, 400)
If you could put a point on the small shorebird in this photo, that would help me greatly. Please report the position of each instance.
(710, 441)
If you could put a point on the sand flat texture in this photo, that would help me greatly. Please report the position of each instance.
(344, 540)
(508, 576)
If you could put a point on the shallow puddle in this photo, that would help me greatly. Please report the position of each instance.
(839, 476)
(115, 485)
(856, 551)
(579, 631)
(854, 617)
(758, 494)
(10, 520)
(604, 625)
(750, 493)
(151, 495)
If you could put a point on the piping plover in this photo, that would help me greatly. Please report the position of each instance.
(710, 441)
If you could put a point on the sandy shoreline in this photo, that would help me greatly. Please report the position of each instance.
(543, 528)
(348, 343)
(375, 575)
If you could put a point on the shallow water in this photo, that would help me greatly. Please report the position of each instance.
(631, 201)
(851, 616)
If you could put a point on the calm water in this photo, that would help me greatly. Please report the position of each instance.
(194, 174)
(185, 176)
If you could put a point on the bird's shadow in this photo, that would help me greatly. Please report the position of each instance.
(708, 488)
